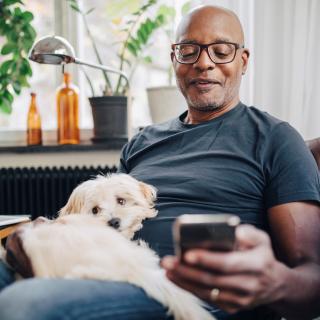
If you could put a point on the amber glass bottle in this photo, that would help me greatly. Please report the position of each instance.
(68, 112)
(34, 134)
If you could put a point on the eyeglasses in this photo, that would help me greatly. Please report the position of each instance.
(219, 52)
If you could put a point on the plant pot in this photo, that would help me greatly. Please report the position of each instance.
(109, 118)
(165, 102)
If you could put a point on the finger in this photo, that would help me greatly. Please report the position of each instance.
(169, 262)
(234, 262)
(240, 282)
(249, 237)
(228, 299)
(197, 290)
(228, 302)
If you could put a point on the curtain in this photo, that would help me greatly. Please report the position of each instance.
(284, 70)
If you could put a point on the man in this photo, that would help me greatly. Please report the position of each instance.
(220, 156)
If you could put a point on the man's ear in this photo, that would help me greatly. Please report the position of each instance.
(171, 56)
(245, 59)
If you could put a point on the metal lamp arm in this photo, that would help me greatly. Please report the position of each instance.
(101, 67)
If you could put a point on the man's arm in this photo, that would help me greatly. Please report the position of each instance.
(252, 276)
(295, 232)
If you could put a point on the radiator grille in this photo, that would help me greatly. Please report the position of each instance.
(41, 191)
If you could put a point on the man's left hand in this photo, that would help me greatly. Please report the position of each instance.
(233, 281)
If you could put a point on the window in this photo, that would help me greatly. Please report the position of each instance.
(43, 79)
(56, 17)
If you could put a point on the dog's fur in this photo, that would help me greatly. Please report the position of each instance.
(117, 196)
(82, 246)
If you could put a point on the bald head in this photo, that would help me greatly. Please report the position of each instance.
(210, 17)
(206, 36)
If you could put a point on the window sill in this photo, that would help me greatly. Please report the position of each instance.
(52, 146)
(15, 142)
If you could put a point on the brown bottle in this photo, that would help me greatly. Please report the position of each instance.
(68, 112)
(34, 134)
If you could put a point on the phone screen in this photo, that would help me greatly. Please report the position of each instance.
(210, 232)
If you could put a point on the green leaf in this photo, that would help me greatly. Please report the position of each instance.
(160, 20)
(25, 67)
(136, 43)
(5, 105)
(132, 48)
(10, 2)
(120, 8)
(149, 25)
(8, 48)
(17, 12)
(7, 95)
(89, 11)
(186, 8)
(166, 11)
(5, 66)
(30, 32)
(23, 81)
(16, 87)
(147, 59)
(142, 34)
(75, 7)
(27, 16)
(12, 36)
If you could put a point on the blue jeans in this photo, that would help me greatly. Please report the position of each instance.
(62, 299)
(59, 299)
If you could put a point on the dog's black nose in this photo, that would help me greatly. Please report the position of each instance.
(114, 223)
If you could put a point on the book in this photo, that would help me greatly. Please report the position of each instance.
(8, 223)
(7, 220)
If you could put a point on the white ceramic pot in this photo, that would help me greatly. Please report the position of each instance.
(165, 102)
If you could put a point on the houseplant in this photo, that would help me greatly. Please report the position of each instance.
(136, 30)
(175, 103)
(16, 28)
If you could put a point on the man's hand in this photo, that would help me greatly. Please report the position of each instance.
(241, 279)
(16, 256)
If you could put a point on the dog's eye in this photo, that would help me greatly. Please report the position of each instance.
(121, 201)
(95, 210)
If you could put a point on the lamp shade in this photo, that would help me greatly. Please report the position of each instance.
(52, 50)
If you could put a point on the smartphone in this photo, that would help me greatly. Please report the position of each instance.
(208, 231)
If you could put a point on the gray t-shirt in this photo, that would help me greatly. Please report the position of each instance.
(242, 162)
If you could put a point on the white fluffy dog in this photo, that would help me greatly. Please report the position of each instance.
(81, 246)
(122, 200)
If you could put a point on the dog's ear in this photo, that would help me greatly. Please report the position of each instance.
(149, 192)
(75, 202)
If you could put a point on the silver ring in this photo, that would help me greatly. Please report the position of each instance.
(214, 294)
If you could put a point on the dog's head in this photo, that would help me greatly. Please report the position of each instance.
(124, 201)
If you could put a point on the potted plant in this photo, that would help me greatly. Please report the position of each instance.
(175, 103)
(16, 28)
(137, 28)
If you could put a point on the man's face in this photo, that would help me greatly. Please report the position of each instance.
(205, 85)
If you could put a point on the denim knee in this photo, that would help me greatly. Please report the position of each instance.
(26, 300)
(58, 299)
(6, 275)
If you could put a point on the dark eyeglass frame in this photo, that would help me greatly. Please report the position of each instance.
(205, 47)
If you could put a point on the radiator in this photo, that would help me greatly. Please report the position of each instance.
(41, 191)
